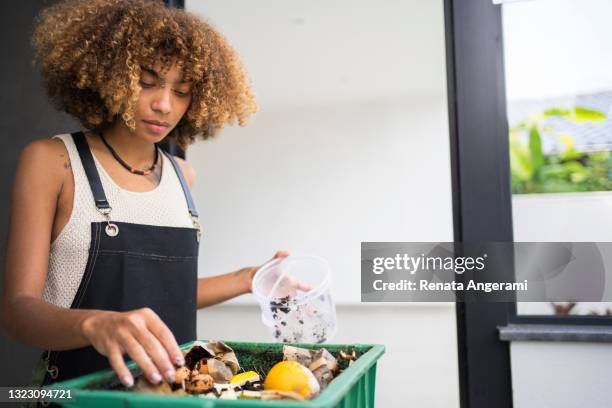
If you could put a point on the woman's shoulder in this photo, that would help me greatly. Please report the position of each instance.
(46, 159)
(50, 151)
(45, 145)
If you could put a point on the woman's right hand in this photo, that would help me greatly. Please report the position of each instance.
(139, 333)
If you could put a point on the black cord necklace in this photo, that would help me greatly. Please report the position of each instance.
(127, 166)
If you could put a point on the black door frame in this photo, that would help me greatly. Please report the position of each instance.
(482, 199)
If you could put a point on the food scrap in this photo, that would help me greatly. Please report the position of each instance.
(209, 369)
(212, 370)
(349, 357)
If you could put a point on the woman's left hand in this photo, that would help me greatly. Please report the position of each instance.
(295, 284)
(249, 272)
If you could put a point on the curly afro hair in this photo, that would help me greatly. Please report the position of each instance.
(91, 51)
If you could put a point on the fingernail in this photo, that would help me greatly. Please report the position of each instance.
(155, 377)
(127, 380)
(170, 376)
(180, 360)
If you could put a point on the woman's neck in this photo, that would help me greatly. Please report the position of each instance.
(137, 152)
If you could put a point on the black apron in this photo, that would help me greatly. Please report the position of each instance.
(131, 266)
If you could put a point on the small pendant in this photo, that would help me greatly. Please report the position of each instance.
(53, 371)
(112, 230)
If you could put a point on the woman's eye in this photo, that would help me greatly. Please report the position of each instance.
(151, 85)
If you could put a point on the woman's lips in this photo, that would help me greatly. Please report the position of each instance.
(156, 127)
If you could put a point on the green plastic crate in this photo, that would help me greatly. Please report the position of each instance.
(353, 388)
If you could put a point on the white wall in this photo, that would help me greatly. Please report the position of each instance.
(350, 144)
(555, 375)
(324, 52)
(566, 217)
(321, 180)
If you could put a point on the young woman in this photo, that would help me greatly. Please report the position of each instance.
(101, 258)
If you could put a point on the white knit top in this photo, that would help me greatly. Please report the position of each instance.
(164, 206)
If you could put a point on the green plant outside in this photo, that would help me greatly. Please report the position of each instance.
(568, 171)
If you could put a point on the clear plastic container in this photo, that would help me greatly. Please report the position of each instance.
(295, 298)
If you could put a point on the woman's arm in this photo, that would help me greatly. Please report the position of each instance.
(38, 182)
(217, 289)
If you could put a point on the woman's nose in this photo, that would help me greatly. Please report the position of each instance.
(161, 103)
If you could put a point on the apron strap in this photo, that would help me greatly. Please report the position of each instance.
(90, 170)
(179, 173)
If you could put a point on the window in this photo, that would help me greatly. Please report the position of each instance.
(558, 71)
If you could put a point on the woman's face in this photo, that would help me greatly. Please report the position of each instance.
(163, 101)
